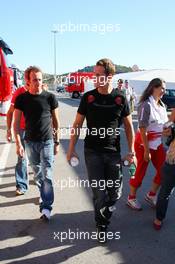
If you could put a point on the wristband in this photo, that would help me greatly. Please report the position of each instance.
(57, 143)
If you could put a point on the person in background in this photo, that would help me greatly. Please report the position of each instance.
(133, 100)
(120, 86)
(172, 116)
(129, 93)
(148, 143)
(168, 177)
(21, 174)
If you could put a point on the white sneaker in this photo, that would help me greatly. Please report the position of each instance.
(152, 200)
(134, 204)
(45, 214)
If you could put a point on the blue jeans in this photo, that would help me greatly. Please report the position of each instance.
(21, 168)
(41, 158)
(167, 185)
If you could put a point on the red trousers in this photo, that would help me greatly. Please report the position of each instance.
(157, 158)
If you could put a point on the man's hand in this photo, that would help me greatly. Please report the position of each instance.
(131, 158)
(9, 135)
(56, 149)
(20, 151)
(70, 154)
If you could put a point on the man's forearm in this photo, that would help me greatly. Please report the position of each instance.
(18, 140)
(16, 126)
(73, 142)
(75, 133)
(56, 130)
(55, 125)
(9, 120)
(130, 137)
(17, 135)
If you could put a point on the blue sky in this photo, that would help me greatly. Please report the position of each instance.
(146, 35)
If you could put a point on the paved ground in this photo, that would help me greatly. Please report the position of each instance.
(25, 239)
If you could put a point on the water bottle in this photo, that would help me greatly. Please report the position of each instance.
(132, 169)
(125, 163)
(74, 161)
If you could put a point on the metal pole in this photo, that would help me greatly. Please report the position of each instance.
(55, 59)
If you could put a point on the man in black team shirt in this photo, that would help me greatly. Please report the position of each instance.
(40, 109)
(104, 109)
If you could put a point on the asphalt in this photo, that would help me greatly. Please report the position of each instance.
(69, 237)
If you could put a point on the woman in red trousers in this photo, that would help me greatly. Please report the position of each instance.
(148, 141)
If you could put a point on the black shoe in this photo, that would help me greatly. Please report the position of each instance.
(44, 218)
(102, 233)
(45, 215)
(105, 212)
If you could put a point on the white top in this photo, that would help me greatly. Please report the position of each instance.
(128, 93)
(153, 116)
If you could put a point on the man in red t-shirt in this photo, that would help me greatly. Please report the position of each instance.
(21, 165)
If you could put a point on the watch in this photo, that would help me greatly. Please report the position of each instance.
(57, 143)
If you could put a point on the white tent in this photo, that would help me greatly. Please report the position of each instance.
(139, 80)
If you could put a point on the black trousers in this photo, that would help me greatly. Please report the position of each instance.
(168, 183)
(105, 177)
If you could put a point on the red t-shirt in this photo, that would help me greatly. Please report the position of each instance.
(19, 91)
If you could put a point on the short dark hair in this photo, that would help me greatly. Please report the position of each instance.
(120, 80)
(31, 69)
(108, 66)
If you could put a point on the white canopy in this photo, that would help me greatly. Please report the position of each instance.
(140, 79)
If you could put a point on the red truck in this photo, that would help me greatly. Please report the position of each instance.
(78, 83)
(6, 78)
